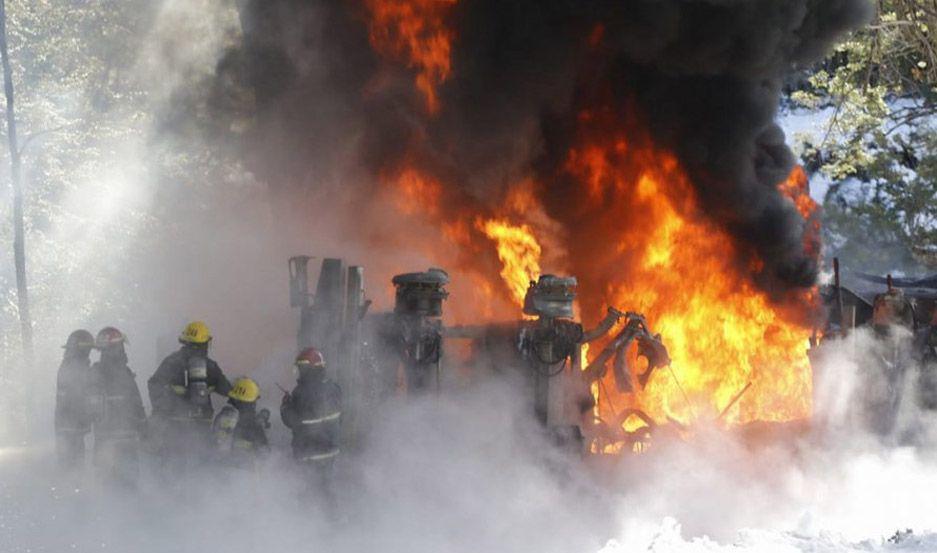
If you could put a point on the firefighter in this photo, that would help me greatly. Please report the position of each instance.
(926, 352)
(117, 410)
(238, 431)
(313, 412)
(72, 420)
(180, 393)
(886, 371)
(890, 310)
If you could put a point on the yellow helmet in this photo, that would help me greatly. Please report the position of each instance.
(245, 390)
(195, 332)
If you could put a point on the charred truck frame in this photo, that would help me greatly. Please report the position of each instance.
(373, 356)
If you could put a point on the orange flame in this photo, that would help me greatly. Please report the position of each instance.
(417, 193)
(518, 250)
(446, 229)
(638, 236)
(681, 272)
(670, 264)
(414, 32)
(797, 188)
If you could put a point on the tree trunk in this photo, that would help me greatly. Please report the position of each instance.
(19, 246)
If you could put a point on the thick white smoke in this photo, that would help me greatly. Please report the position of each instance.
(466, 470)
(469, 471)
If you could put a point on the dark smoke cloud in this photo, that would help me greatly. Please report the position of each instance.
(704, 77)
(707, 77)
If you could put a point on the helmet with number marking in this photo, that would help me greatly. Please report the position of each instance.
(196, 333)
(246, 390)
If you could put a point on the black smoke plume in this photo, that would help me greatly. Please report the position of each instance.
(704, 76)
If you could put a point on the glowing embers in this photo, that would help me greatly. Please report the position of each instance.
(414, 32)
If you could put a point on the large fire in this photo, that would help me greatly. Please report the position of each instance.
(721, 333)
(640, 239)
(682, 273)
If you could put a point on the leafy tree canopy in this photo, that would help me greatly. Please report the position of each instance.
(878, 147)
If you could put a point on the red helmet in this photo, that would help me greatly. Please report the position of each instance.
(310, 357)
(108, 337)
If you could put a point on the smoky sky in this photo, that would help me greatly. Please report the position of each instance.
(704, 78)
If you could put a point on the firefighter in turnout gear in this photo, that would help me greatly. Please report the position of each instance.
(888, 367)
(180, 393)
(72, 419)
(117, 410)
(313, 412)
(926, 353)
(238, 430)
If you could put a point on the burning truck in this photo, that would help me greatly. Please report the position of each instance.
(377, 355)
(402, 351)
(631, 144)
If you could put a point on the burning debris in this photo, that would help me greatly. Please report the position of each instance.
(635, 140)
(629, 250)
(551, 348)
(406, 345)
(649, 346)
(630, 144)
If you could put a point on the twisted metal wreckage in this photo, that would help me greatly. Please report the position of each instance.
(379, 354)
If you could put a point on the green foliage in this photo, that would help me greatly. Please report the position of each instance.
(878, 147)
(94, 82)
(889, 219)
(76, 99)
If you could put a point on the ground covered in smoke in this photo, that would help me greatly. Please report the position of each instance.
(470, 472)
(467, 472)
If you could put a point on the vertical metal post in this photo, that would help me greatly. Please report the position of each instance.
(351, 378)
(839, 297)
